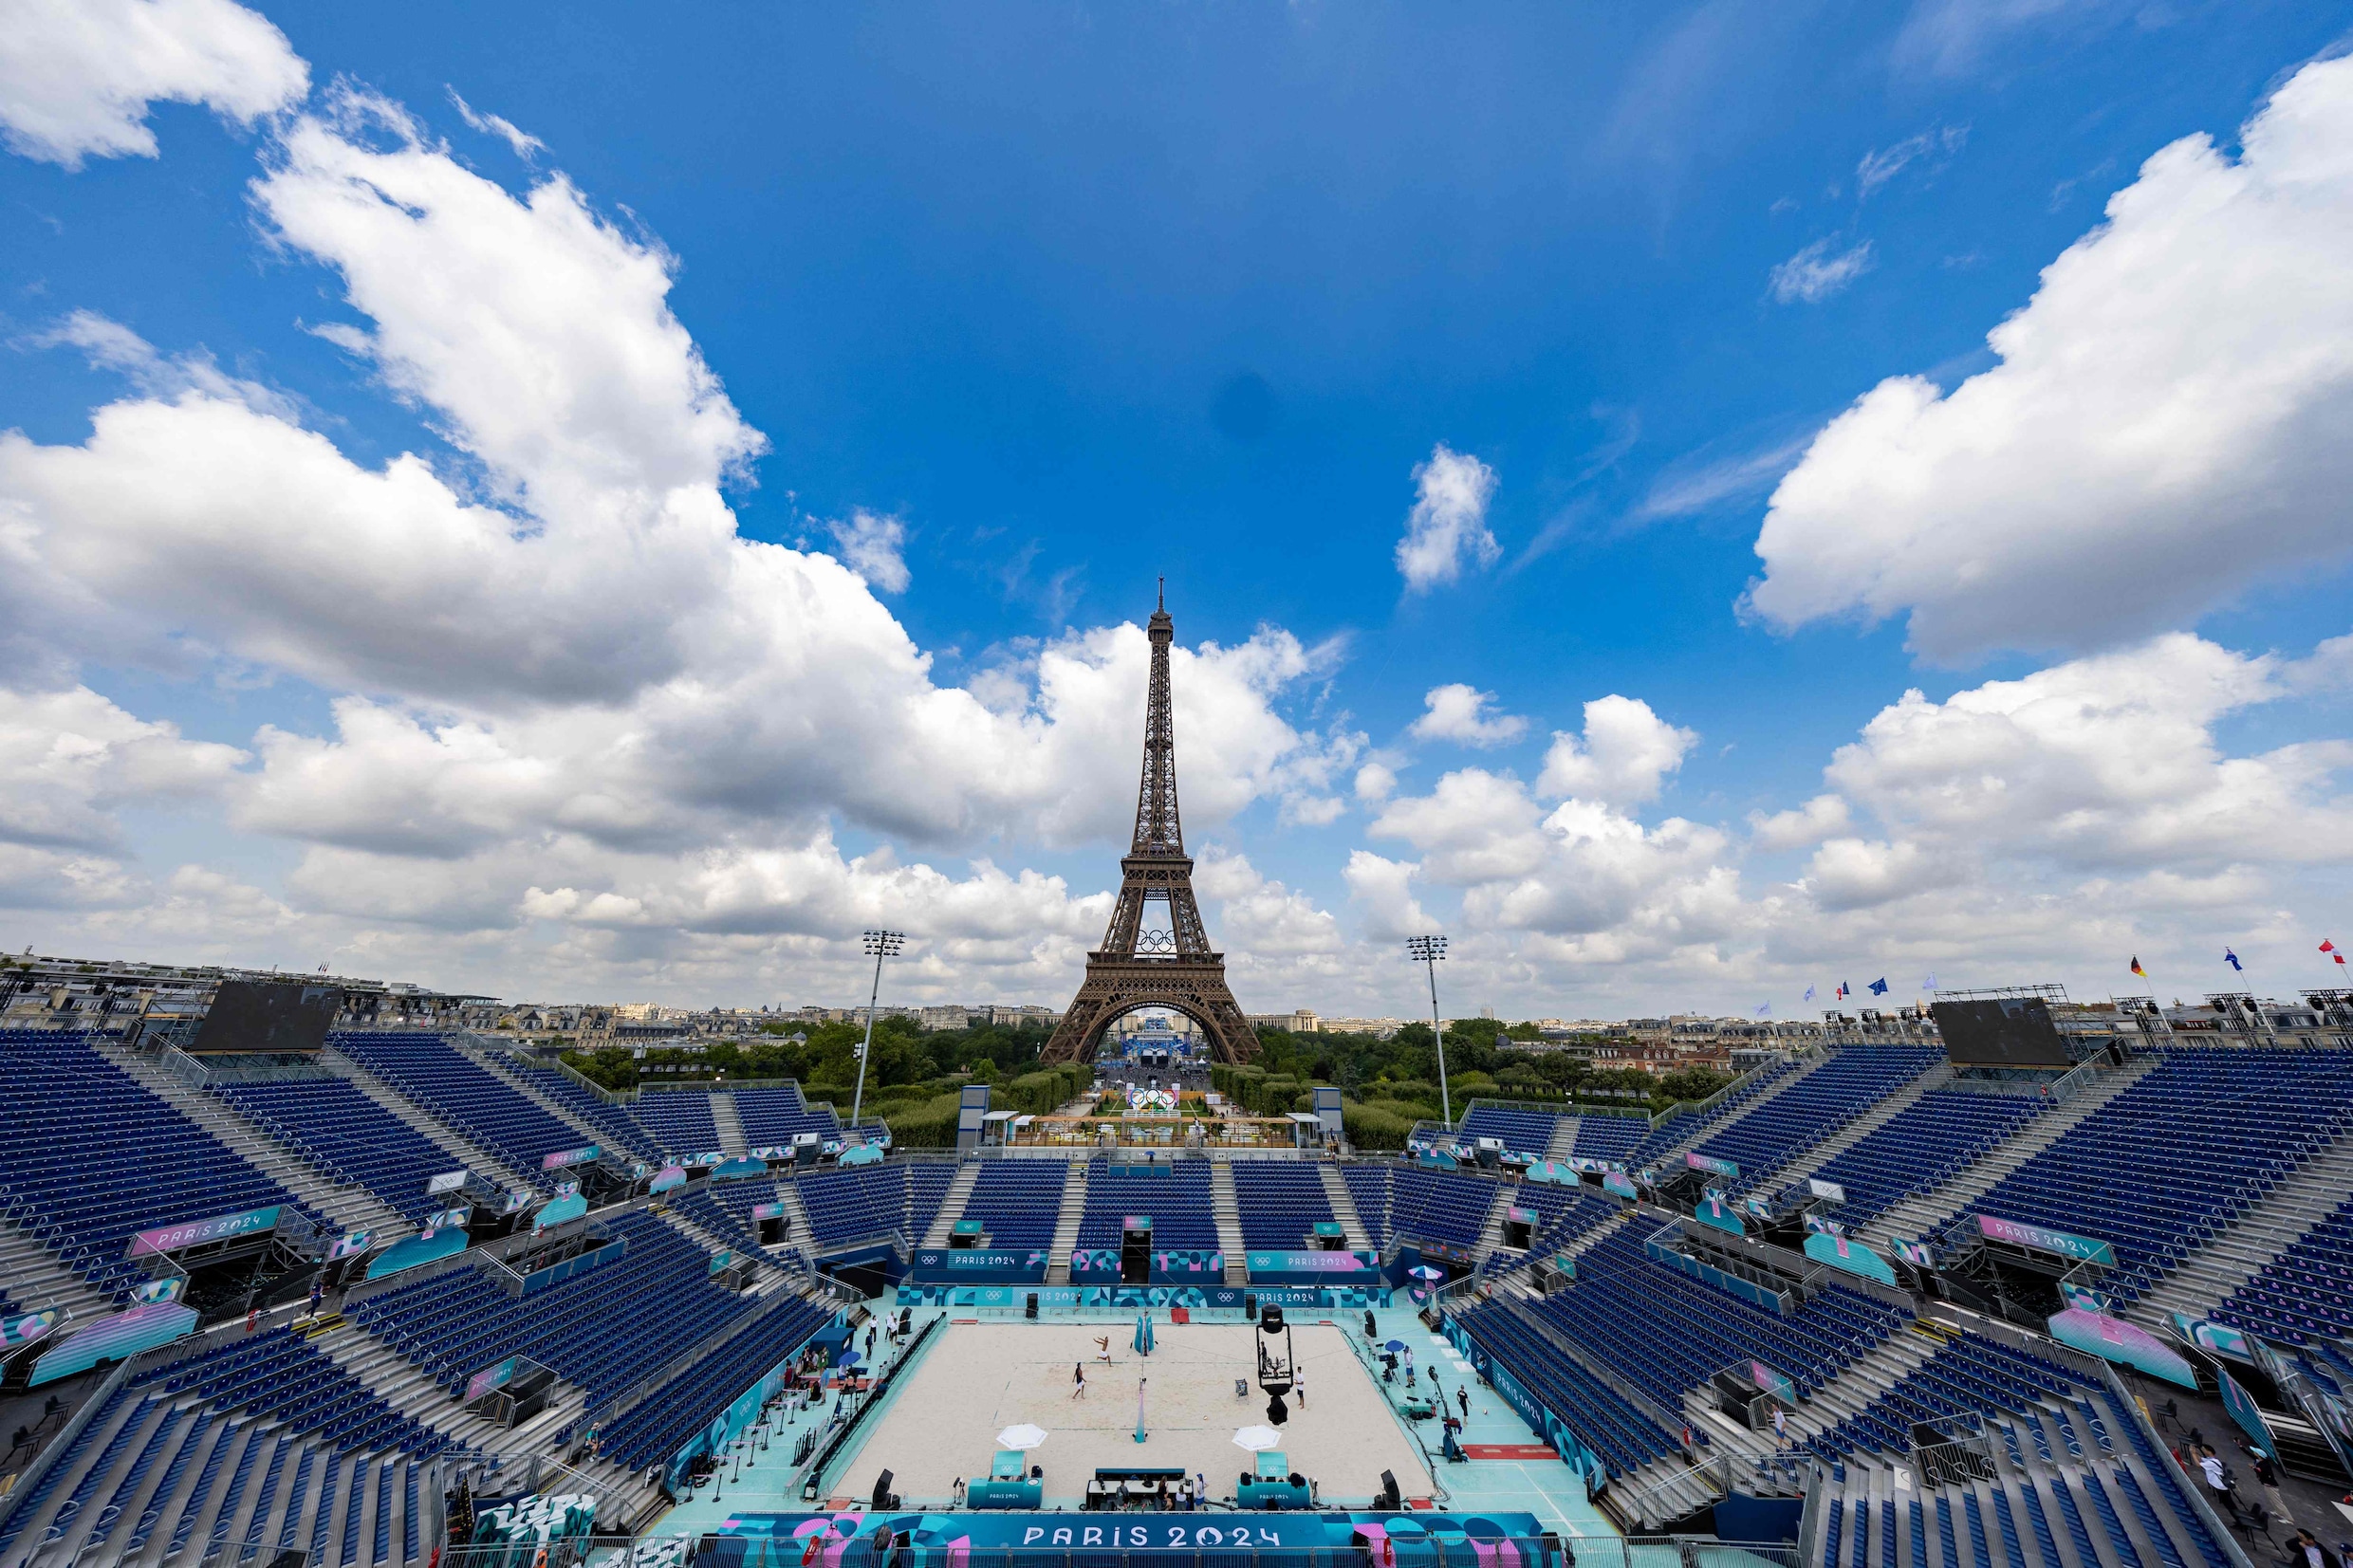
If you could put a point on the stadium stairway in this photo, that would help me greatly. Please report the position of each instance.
(1916, 1215)
(478, 1159)
(2071, 1482)
(1343, 1207)
(160, 1479)
(1564, 1144)
(1226, 1205)
(730, 1126)
(1822, 1153)
(399, 1383)
(1701, 1127)
(2207, 1275)
(1837, 1400)
(952, 1207)
(350, 1206)
(768, 1278)
(797, 1230)
(1490, 1232)
(36, 1279)
(498, 1066)
(1065, 1221)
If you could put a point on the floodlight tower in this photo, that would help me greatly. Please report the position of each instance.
(879, 945)
(1430, 951)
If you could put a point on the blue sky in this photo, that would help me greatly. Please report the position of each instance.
(1059, 301)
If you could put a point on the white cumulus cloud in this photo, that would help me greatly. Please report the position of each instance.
(872, 546)
(1447, 529)
(2166, 426)
(1464, 713)
(1623, 758)
(77, 76)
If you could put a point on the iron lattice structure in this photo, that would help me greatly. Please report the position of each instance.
(1139, 968)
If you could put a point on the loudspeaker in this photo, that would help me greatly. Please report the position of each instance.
(1249, 1304)
(1389, 1498)
(1030, 1308)
(883, 1498)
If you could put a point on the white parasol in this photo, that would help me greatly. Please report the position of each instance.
(1023, 1436)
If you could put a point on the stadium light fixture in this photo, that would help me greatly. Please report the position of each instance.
(1429, 952)
(879, 945)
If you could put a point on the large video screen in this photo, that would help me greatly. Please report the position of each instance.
(276, 1016)
(2001, 1032)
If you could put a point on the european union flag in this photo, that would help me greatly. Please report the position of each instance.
(1879, 987)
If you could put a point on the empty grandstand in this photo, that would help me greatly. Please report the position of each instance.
(1668, 1348)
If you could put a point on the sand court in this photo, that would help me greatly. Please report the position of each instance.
(982, 1378)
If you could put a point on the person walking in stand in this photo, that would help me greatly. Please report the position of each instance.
(2217, 1481)
(2267, 1476)
(1781, 1428)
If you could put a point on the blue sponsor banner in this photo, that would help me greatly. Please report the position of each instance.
(2042, 1238)
(950, 1537)
(114, 1339)
(565, 1205)
(2085, 1298)
(973, 1266)
(1914, 1253)
(22, 1331)
(416, 1250)
(1169, 1266)
(1329, 1269)
(2241, 1407)
(170, 1238)
(1851, 1255)
(2114, 1340)
(1715, 1212)
(2219, 1337)
(1125, 1298)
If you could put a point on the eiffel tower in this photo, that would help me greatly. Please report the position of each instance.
(1135, 967)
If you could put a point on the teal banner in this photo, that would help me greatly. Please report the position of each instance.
(571, 1206)
(2114, 1340)
(1314, 1269)
(2241, 1405)
(2042, 1238)
(170, 1238)
(2221, 1338)
(114, 1339)
(416, 1250)
(1619, 1183)
(1714, 1167)
(1851, 1255)
(739, 1168)
(1715, 1212)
